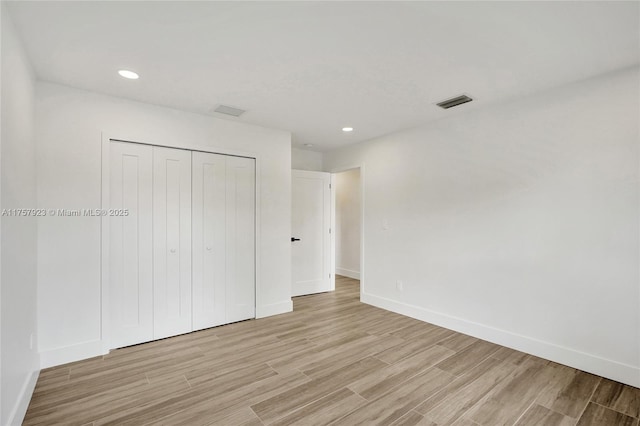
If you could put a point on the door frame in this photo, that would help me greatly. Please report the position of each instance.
(333, 172)
(105, 332)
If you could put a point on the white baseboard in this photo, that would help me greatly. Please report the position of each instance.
(20, 409)
(59, 356)
(348, 273)
(610, 369)
(274, 309)
(67, 354)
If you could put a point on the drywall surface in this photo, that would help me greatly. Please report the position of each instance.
(516, 223)
(19, 356)
(70, 125)
(306, 160)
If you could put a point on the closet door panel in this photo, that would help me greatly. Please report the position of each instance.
(209, 240)
(240, 239)
(130, 251)
(171, 241)
(184, 257)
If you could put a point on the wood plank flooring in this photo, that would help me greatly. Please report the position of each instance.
(333, 361)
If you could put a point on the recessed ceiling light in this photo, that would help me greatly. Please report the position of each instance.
(129, 74)
(347, 129)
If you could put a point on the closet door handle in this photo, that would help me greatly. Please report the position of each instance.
(294, 239)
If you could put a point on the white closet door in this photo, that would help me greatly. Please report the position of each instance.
(130, 252)
(209, 253)
(171, 242)
(223, 239)
(240, 238)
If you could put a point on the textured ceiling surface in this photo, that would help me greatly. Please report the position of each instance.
(315, 67)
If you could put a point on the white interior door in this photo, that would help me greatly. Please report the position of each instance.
(223, 239)
(171, 242)
(311, 221)
(130, 250)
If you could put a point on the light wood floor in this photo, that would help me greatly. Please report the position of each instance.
(335, 361)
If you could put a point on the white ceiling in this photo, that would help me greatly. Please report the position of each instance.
(315, 67)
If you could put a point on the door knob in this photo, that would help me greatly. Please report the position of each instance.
(172, 250)
(209, 248)
(294, 239)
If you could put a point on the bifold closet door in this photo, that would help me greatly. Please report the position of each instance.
(130, 249)
(241, 238)
(171, 242)
(183, 259)
(223, 239)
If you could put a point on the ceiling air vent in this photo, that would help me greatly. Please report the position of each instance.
(458, 100)
(224, 109)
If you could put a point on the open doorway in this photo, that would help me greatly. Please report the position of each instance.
(347, 223)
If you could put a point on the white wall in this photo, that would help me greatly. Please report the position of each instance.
(347, 187)
(306, 160)
(20, 361)
(70, 123)
(516, 223)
